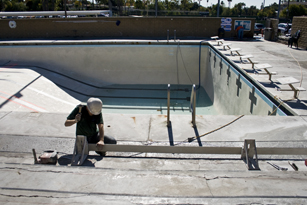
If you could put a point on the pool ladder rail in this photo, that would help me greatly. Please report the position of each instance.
(167, 37)
(192, 104)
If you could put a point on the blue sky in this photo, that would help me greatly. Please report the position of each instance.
(248, 3)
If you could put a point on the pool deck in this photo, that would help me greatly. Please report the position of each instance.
(35, 117)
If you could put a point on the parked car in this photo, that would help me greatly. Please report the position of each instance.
(103, 15)
(283, 29)
(258, 27)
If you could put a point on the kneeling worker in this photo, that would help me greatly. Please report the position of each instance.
(90, 123)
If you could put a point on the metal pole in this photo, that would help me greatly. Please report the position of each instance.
(110, 8)
(193, 104)
(288, 11)
(278, 10)
(168, 103)
(174, 35)
(218, 8)
(167, 37)
(156, 8)
(65, 9)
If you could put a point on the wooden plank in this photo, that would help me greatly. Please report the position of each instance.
(262, 66)
(281, 151)
(287, 80)
(166, 149)
(196, 150)
(246, 56)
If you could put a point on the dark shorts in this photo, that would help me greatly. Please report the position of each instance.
(96, 138)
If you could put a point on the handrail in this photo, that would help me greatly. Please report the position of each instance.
(193, 104)
(168, 103)
(199, 62)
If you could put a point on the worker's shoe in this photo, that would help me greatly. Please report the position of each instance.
(101, 153)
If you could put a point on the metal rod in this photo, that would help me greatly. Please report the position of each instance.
(156, 8)
(65, 9)
(193, 104)
(218, 9)
(167, 37)
(168, 103)
(174, 35)
(278, 10)
(34, 155)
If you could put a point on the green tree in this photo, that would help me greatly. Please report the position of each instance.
(104, 2)
(34, 5)
(270, 12)
(160, 6)
(213, 11)
(14, 6)
(139, 4)
(119, 4)
(294, 10)
(252, 11)
(261, 14)
(78, 5)
(173, 5)
(222, 4)
(226, 12)
(186, 5)
(239, 7)
(59, 5)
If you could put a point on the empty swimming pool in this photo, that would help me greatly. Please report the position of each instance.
(133, 76)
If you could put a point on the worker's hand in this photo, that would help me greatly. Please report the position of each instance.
(78, 117)
(100, 143)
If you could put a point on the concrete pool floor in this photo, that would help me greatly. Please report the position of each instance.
(35, 118)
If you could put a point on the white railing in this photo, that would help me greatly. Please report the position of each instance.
(55, 13)
(168, 104)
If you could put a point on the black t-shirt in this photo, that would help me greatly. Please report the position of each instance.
(87, 126)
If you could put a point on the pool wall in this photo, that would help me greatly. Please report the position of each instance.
(231, 91)
(114, 64)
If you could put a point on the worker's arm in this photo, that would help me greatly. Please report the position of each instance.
(101, 135)
(72, 122)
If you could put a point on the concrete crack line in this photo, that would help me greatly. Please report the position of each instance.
(253, 177)
(15, 168)
(6, 114)
(149, 129)
(209, 188)
(41, 196)
(126, 195)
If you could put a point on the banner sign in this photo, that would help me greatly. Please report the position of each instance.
(246, 24)
(226, 24)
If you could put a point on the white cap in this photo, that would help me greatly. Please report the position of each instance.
(94, 105)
